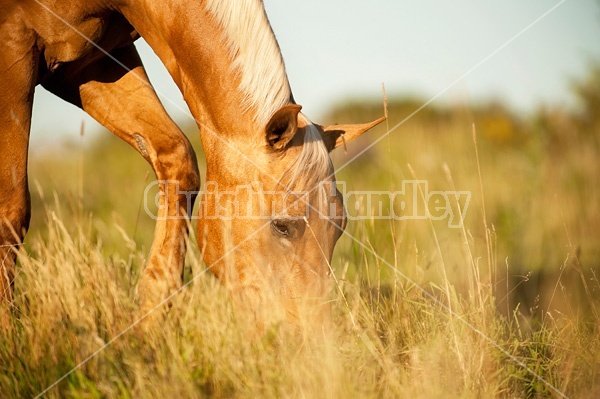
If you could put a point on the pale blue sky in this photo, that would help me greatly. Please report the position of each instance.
(345, 49)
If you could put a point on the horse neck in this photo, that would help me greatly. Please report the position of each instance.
(198, 48)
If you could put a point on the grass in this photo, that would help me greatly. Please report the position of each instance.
(506, 306)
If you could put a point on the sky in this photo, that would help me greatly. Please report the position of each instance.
(523, 52)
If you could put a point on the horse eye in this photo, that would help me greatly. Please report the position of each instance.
(281, 228)
(288, 228)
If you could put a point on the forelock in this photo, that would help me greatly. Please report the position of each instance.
(312, 165)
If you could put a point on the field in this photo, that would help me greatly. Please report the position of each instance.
(505, 305)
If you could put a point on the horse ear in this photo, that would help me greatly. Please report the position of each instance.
(283, 126)
(336, 135)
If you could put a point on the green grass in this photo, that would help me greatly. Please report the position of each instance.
(487, 310)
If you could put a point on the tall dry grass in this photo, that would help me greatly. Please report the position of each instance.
(504, 306)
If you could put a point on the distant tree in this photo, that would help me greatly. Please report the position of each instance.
(587, 92)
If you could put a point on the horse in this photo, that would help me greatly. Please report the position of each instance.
(224, 57)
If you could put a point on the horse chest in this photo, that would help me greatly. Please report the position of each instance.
(62, 43)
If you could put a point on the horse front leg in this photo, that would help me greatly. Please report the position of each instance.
(125, 103)
(17, 61)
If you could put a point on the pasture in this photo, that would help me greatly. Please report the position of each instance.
(505, 305)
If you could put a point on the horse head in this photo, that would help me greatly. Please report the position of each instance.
(269, 224)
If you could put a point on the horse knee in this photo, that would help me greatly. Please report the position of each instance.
(14, 222)
(183, 167)
(177, 169)
(190, 175)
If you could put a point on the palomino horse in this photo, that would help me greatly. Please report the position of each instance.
(225, 60)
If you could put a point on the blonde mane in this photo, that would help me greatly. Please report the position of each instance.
(255, 55)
